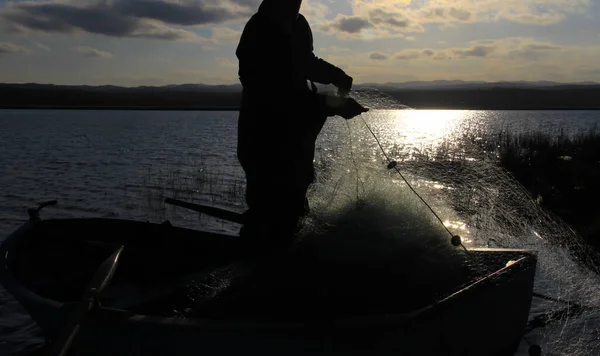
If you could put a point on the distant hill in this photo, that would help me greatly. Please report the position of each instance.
(461, 84)
(114, 88)
(417, 94)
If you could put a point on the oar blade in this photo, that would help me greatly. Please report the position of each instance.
(106, 271)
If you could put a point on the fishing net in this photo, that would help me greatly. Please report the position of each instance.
(459, 177)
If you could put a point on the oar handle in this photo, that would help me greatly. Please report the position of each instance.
(209, 210)
(62, 344)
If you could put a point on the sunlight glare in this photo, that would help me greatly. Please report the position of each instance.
(426, 126)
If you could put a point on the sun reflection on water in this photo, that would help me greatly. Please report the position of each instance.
(423, 131)
(427, 126)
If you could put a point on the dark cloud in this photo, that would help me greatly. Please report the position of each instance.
(428, 52)
(197, 13)
(376, 56)
(350, 24)
(397, 23)
(123, 18)
(99, 18)
(477, 51)
(378, 17)
(389, 23)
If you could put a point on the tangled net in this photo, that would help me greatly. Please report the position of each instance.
(475, 198)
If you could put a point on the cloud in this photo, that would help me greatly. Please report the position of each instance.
(122, 18)
(183, 13)
(348, 24)
(6, 48)
(315, 11)
(377, 22)
(441, 14)
(402, 55)
(506, 48)
(476, 51)
(379, 16)
(428, 52)
(376, 56)
(393, 18)
(92, 52)
(532, 51)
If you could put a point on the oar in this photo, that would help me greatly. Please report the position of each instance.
(100, 280)
(209, 210)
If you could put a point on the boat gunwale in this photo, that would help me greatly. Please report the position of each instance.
(7, 279)
(19, 292)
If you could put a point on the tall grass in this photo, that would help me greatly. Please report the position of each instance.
(560, 171)
(199, 184)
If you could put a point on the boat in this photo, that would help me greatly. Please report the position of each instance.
(308, 306)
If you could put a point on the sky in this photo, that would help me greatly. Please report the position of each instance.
(160, 42)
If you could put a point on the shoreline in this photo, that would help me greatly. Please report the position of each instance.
(119, 108)
(229, 108)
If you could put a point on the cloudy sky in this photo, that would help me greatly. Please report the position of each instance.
(158, 42)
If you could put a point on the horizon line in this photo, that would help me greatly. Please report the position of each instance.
(455, 81)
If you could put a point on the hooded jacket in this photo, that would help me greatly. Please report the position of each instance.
(280, 115)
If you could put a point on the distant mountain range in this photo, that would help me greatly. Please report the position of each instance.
(114, 88)
(440, 94)
(461, 84)
(436, 84)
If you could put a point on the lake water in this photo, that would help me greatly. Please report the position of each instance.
(123, 163)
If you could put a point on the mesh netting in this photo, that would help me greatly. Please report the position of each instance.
(476, 199)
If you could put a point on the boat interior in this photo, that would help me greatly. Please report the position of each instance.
(183, 273)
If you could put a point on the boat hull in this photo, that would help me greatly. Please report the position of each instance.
(486, 316)
(484, 321)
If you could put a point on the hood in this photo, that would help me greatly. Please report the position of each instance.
(283, 12)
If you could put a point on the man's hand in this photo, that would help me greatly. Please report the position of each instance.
(344, 85)
(350, 108)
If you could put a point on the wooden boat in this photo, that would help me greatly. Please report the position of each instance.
(299, 306)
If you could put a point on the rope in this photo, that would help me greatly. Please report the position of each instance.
(558, 300)
(394, 164)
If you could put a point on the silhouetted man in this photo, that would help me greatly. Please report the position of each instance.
(281, 117)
